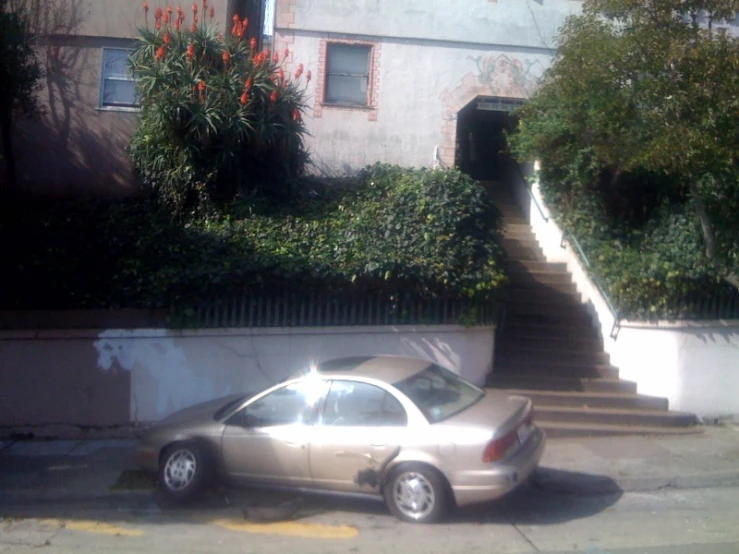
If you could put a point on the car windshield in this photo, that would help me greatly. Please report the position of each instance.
(439, 393)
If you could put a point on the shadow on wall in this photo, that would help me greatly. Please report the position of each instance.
(73, 147)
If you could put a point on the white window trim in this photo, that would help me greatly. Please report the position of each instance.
(116, 77)
(368, 76)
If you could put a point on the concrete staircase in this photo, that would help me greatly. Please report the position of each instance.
(549, 349)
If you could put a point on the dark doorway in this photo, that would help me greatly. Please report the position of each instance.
(482, 150)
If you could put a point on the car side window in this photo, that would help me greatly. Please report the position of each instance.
(288, 405)
(361, 404)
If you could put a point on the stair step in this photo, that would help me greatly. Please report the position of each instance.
(610, 416)
(561, 314)
(520, 276)
(531, 266)
(546, 355)
(592, 399)
(530, 286)
(514, 325)
(520, 341)
(524, 253)
(517, 228)
(519, 240)
(548, 371)
(558, 429)
(516, 317)
(542, 295)
(565, 383)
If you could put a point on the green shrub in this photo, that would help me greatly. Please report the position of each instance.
(218, 119)
(390, 232)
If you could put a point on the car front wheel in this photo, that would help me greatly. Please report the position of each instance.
(416, 494)
(183, 471)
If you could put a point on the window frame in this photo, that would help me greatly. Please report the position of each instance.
(369, 48)
(320, 421)
(116, 77)
(313, 412)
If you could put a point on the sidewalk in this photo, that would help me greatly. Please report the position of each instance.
(79, 470)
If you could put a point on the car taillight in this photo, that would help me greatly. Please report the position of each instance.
(499, 448)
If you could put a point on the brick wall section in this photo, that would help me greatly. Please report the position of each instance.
(285, 13)
(373, 93)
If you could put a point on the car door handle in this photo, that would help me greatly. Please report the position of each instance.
(295, 444)
(379, 445)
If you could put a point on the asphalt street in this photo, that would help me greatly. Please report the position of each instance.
(532, 520)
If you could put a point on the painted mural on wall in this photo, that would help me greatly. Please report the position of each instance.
(497, 74)
(505, 76)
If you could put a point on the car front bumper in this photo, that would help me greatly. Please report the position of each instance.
(500, 478)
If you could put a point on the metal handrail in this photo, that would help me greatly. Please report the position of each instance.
(573, 241)
(569, 237)
(531, 194)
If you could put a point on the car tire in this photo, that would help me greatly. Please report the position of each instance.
(416, 493)
(183, 471)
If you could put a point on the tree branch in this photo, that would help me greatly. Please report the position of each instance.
(709, 237)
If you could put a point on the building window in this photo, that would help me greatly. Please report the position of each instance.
(117, 87)
(347, 74)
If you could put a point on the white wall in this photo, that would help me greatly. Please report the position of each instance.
(171, 369)
(695, 365)
(531, 23)
(434, 58)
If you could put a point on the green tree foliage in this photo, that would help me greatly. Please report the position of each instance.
(218, 118)
(638, 114)
(20, 73)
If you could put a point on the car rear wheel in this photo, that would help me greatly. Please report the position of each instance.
(416, 493)
(183, 471)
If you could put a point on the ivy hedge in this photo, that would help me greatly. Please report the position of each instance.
(389, 231)
(646, 248)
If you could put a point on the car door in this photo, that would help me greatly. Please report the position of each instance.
(268, 439)
(361, 427)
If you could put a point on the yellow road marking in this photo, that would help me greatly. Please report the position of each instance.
(91, 526)
(288, 529)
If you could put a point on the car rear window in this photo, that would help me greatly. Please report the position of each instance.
(439, 393)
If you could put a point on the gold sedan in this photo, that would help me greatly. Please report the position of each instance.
(404, 429)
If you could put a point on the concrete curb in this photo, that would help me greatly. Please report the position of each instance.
(553, 480)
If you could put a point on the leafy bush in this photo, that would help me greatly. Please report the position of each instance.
(391, 231)
(653, 263)
(218, 118)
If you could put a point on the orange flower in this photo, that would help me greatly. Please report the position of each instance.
(273, 96)
(193, 27)
(248, 83)
(145, 5)
(225, 57)
(280, 76)
(275, 58)
(244, 25)
(180, 14)
(166, 38)
(169, 10)
(158, 24)
(307, 76)
(286, 52)
(194, 8)
(296, 114)
(299, 71)
(244, 98)
(253, 43)
(159, 54)
(176, 25)
(212, 12)
(190, 51)
(165, 19)
(195, 18)
(201, 86)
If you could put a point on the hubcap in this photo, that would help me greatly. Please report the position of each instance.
(414, 495)
(180, 469)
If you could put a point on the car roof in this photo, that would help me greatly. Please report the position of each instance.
(389, 369)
